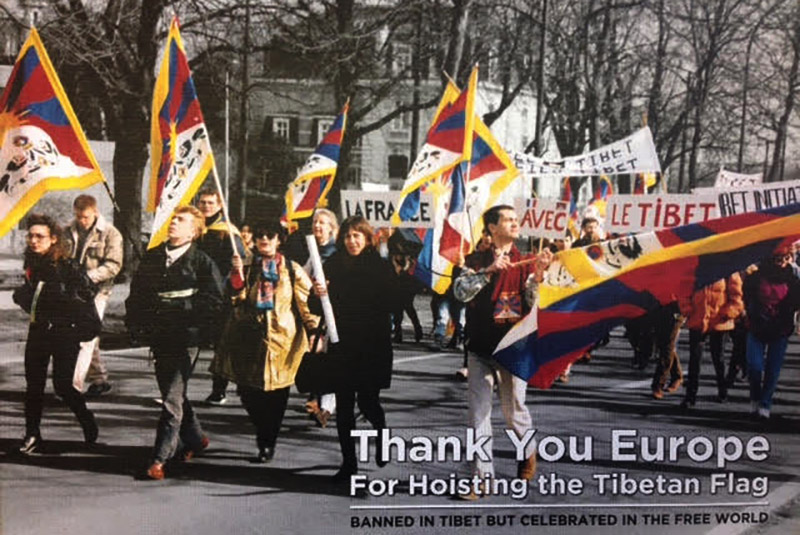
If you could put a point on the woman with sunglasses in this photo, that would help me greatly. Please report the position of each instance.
(362, 297)
(771, 297)
(265, 337)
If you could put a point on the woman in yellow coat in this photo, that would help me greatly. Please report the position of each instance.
(265, 337)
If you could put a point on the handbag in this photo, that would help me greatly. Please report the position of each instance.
(321, 373)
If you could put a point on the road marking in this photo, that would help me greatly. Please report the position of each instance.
(630, 385)
(423, 357)
(562, 505)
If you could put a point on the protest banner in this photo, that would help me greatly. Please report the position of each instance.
(753, 198)
(729, 179)
(542, 218)
(634, 154)
(377, 207)
(637, 213)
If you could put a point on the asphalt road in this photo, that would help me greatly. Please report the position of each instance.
(69, 489)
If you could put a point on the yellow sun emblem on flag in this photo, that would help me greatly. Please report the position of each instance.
(9, 121)
(173, 140)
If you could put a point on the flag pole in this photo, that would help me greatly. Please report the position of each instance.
(225, 212)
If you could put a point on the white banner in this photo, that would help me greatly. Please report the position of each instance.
(377, 208)
(728, 179)
(641, 213)
(543, 218)
(634, 154)
(754, 198)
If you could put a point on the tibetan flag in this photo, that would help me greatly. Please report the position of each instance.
(449, 142)
(42, 145)
(590, 290)
(601, 193)
(433, 269)
(315, 179)
(571, 199)
(456, 239)
(180, 150)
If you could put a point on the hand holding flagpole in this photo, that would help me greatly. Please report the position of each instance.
(319, 277)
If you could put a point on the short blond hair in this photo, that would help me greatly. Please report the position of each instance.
(199, 219)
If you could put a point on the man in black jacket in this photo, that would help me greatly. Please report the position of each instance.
(175, 298)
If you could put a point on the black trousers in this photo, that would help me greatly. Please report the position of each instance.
(716, 339)
(266, 410)
(41, 345)
(370, 405)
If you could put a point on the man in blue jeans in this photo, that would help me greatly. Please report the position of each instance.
(771, 296)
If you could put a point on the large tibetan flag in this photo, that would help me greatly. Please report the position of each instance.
(449, 142)
(42, 145)
(590, 290)
(180, 150)
(315, 179)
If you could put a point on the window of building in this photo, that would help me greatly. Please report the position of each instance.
(401, 58)
(398, 165)
(323, 125)
(401, 123)
(280, 127)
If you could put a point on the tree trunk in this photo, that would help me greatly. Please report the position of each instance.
(788, 108)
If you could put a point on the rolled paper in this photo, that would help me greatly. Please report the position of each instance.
(319, 276)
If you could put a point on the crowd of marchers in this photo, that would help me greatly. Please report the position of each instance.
(257, 301)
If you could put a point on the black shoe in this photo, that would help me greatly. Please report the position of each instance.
(90, 430)
(30, 444)
(343, 475)
(217, 398)
(97, 390)
(265, 455)
(687, 404)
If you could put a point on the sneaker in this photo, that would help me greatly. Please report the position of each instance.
(155, 472)
(675, 385)
(30, 444)
(98, 389)
(527, 469)
(217, 398)
(763, 413)
(189, 454)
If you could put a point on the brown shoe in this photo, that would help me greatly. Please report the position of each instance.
(675, 385)
(156, 471)
(322, 418)
(563, 378)
(312, 406)
(658, 394)
(527, 469)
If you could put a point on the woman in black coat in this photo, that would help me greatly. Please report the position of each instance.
(57, 295)
(362, 297)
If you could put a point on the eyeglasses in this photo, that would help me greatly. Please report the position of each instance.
(35, 236)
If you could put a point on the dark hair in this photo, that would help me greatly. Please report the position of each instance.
(587, 220)
(56, 250)
(84, 202)
(270, 230)
(492, 215)
(208, 192)
(359, 224)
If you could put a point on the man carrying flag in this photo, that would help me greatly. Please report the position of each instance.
(497, 286)
(314, 181)
(42, 145)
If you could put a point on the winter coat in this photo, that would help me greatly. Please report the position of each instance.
(263, 349)
(175, 306)
(65, 298)
(771, 296)
(715, 307)
(362, 297)
(216, 243)
(102, 252)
